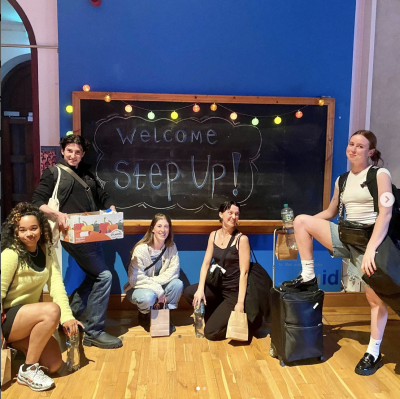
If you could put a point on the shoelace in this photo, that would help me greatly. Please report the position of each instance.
(40, 375)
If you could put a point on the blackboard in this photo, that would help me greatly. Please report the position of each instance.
(188, 166)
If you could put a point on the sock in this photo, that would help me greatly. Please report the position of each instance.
(374, 347)
(26, 366)
(307, 270)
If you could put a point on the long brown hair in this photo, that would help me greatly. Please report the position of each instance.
(149, 236)
(376, 156)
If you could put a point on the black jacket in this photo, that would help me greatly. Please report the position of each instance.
(71, 194)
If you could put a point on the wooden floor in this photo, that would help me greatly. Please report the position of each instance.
(182, 366)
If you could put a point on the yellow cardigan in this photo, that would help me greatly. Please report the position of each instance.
(27, 284)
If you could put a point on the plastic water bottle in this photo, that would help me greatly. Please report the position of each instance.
(287, 219)
(199, 320)
(73, 356)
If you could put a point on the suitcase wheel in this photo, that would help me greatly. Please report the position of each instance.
(272, 351)
(282, 363)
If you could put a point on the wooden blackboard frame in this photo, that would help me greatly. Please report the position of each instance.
(206, 226)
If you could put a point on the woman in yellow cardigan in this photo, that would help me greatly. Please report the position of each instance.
(28, 263)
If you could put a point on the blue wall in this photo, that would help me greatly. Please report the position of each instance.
(252, 47)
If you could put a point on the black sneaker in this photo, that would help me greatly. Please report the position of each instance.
(368, 365)
(298, 284)
(103, 341)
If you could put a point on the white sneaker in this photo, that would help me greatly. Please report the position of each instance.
(35, 378)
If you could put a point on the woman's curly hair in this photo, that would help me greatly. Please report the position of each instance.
(9, 233)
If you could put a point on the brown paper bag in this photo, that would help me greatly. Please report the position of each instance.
(282, 251)
(5, 366)
(159, 323)
(237, 327)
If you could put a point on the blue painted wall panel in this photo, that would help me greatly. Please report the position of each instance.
(253, 47)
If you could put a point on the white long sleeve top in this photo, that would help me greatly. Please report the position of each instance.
(138, 278)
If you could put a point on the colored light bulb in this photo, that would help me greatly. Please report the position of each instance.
(196, 108)
(69, 109)
(298, 114)
(107, 98)
(128, 108)
(213, 107)
(278, 120)
(86, 88)
(174, 115)
(151, 115)
(255, 122)
(321, 102)
(233, 116)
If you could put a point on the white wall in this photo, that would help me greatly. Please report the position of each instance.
(42, 15)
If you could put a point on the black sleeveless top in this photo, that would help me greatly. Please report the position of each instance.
(230, 280)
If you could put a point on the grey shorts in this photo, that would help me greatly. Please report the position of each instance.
(355, 254)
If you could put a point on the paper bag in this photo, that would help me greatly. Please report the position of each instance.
(237, 327)
(5, 366)
(159, 323)
(282, 251)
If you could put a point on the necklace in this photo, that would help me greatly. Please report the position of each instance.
(36, 254)
(223, 238)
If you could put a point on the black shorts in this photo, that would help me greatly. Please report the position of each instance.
(9, 321)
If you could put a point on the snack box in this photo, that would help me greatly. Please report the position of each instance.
(93, 226)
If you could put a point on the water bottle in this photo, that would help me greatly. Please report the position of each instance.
(287, 219)
(73, 357)
(199, 320)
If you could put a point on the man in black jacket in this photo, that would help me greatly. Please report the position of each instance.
(94, 292)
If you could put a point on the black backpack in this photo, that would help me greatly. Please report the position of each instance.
(371, 183)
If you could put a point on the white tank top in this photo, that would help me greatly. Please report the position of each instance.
(358, 200)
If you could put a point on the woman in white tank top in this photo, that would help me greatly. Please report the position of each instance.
(361, 152)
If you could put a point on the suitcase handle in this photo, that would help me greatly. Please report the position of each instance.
(273, 254)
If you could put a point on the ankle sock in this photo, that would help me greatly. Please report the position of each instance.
(374, 347)
(26, 366)
(307, 270)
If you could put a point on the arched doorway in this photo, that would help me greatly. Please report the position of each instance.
(20, 147)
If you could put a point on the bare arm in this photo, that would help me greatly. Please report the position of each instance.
(244, 265)
(331, 211)
(55, 215)
(381, 226)
(199, 295)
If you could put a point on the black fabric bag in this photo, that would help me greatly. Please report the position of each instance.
(258, 293)
(355, 233)
(386, 277)
(352, 233)
(215, 272)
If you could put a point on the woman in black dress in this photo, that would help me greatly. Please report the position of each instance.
(231, 296)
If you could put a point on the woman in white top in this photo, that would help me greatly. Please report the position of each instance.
(154, 270)
(359, 207)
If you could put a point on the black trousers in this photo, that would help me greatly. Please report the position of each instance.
(220, 304)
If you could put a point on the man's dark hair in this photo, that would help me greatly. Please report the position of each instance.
(75, 139)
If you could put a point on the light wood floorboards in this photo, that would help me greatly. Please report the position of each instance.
(182, 366)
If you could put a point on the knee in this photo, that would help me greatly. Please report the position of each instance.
(300, 221)
(175, 285)
(105, 276)
(54, 364)
(146, 300)
(214, 335)
(52, 312)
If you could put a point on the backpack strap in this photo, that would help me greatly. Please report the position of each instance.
(342, 184)
(372, 185)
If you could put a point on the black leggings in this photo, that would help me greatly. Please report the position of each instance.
(220, 304)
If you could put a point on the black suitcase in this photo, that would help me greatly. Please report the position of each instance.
(296, 317)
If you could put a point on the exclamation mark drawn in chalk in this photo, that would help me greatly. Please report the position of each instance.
(236, 159)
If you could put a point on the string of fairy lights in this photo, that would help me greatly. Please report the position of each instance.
(174, 115)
